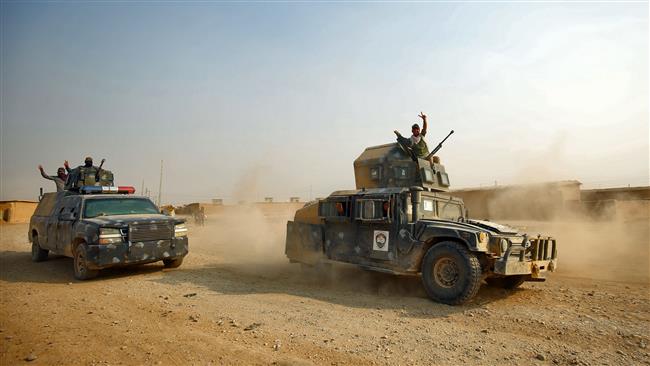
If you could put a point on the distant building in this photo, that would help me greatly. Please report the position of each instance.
(294, 199)
(17, 211)
(268, 199)
(217, 201)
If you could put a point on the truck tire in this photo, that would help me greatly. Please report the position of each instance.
(38, 254)
(173, 263)
(451, 274)
(81, 270)
(509, 282)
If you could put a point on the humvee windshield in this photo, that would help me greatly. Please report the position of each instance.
(449, 211)
(118, 206)
(436, 208)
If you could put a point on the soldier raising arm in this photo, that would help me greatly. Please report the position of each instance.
(59, 179)
(417, 143)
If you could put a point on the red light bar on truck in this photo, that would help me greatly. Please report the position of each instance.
(104, 190)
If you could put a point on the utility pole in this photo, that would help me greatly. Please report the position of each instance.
(142, 189)
(160, 184)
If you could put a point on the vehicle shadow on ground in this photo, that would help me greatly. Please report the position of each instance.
(344, 285)
(18, 267)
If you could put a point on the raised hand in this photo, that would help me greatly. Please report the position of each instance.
(40, 167)
(65, 164)
(423, 116)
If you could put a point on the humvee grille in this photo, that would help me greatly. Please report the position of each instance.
(147, 232)
(543, 249)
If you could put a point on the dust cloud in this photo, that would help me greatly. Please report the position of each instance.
(252, 238)
(606, 242)
(592, 243)
(245, 233)
(615, 250)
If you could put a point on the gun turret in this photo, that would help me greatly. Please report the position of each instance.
(392, 165)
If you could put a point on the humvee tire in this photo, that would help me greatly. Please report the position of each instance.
(451, 274)
(173, 263)
(38, 254)
(510, 282)
(81, 270)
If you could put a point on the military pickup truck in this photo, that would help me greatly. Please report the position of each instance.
(102, 227)
(402, 220)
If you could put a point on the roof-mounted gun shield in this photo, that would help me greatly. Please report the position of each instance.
(390, 166)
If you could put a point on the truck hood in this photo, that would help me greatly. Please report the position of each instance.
(493, 226)
(477, 225)
(125, 220)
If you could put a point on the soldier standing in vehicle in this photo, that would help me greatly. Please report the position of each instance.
(416, 141)
(87, 174)
(59, 179)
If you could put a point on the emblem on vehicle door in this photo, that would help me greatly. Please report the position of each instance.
(380, 241)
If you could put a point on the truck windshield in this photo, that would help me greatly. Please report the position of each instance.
(118, 206)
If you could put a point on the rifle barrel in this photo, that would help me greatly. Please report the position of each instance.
(439, 146)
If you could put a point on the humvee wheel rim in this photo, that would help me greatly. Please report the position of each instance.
(445, 272)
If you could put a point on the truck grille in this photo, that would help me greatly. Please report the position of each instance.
(150, 231)
(543, 248)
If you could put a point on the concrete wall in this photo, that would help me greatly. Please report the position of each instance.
(555, 199)
(532, 201)
(621, 194)
(14, 212)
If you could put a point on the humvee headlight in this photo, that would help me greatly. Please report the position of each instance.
(110, 236)
(483, 237)
(180, 230)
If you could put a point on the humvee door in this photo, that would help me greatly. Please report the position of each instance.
(340, 229)
(375, 239)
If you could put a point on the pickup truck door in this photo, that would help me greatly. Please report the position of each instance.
(68, 216)
(52, 229)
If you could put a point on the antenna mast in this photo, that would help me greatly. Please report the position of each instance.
(160, 184)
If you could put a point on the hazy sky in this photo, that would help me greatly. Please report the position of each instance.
(249, 100)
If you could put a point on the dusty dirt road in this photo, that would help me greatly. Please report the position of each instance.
(236, 300)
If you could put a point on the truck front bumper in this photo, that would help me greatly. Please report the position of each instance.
(535, 260)
(109, 255)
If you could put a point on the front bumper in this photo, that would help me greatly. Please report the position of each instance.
(535, 260)
(103, 256)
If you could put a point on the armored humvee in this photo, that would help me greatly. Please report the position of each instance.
(401, 220)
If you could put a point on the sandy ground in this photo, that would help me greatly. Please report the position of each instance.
(236, 300)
